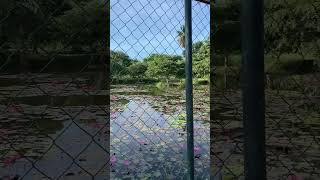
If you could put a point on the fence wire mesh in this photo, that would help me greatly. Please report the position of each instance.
(292, 88)
(54, 99)
(226, 105)
(148, 133)
(292, 84)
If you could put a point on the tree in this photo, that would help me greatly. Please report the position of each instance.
(225, 32)
(182, 37)
(137, 69)
(196, 47)
(201, 60)
(21, 18)
(27, 23)
(119, 63)
(121, 58)
(291, 26)
(164, 66)
(85, 24)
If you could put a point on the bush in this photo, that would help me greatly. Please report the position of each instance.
(130, 80)
(162, 86)
(182, 84)
(137, 69)
(201, 81)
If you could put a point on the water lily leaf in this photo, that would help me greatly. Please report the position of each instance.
(157, 174)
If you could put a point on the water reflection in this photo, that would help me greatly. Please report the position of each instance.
(163, 151)
(58, 136)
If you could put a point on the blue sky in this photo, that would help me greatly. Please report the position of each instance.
(144, 27)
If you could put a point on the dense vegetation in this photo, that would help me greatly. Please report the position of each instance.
(291, 28)
(63, 26)
(161, 67)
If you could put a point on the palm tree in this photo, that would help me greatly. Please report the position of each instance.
(182, 37)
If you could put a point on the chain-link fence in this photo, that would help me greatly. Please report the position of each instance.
(54, 91)
(227, 161)
(291, 89)
(148, 121)
(54, 99)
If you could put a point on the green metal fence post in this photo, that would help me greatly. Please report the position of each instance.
(252, 37)
(189, 93)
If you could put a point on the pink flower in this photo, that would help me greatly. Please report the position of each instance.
(15, 108)
(113, 115)
(294, 177)
(126, 163)
(3, 132)
(97, 125)
(113, 159)
(141, 142)
(11, 160)
(9, 177)
(114, 98)
(196, 150)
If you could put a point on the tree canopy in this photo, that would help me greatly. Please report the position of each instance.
(85, 23)
(164, 66)
(201, 59)
(292, 26)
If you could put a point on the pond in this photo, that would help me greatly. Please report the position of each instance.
(54, 126)
(51, 128)
(150, 134)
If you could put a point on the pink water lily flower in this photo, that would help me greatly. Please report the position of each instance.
(113, 115)
(114, 98)
(3, 132)
(11, 160)
(142, 142)
(294, 177)
(196, 150)
(11, 177)
(113, 159)
(126, 163)
(15, 108)
(97, 125)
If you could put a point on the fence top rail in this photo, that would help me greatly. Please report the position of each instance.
(204, 1)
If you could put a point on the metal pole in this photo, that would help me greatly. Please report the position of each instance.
(252, 37)
(189, 94)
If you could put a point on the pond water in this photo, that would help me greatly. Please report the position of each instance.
(52, 128)
(155, 143)
(63, 136)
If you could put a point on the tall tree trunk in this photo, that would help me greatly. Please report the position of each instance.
(225, 71)
(101, 79)
(22, 62)
(35, 47)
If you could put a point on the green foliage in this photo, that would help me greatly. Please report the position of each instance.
(201, 81)
(291, 26)
(162, 86)
(164, 66)
(120, 79)
(137, 69)
(119, 62)
(201, 59)
(178, 122)
(182, 84)
(121, 58)
(196, 47)
(225, 32)
(88, 21)
(22, 17)
(226, 39)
